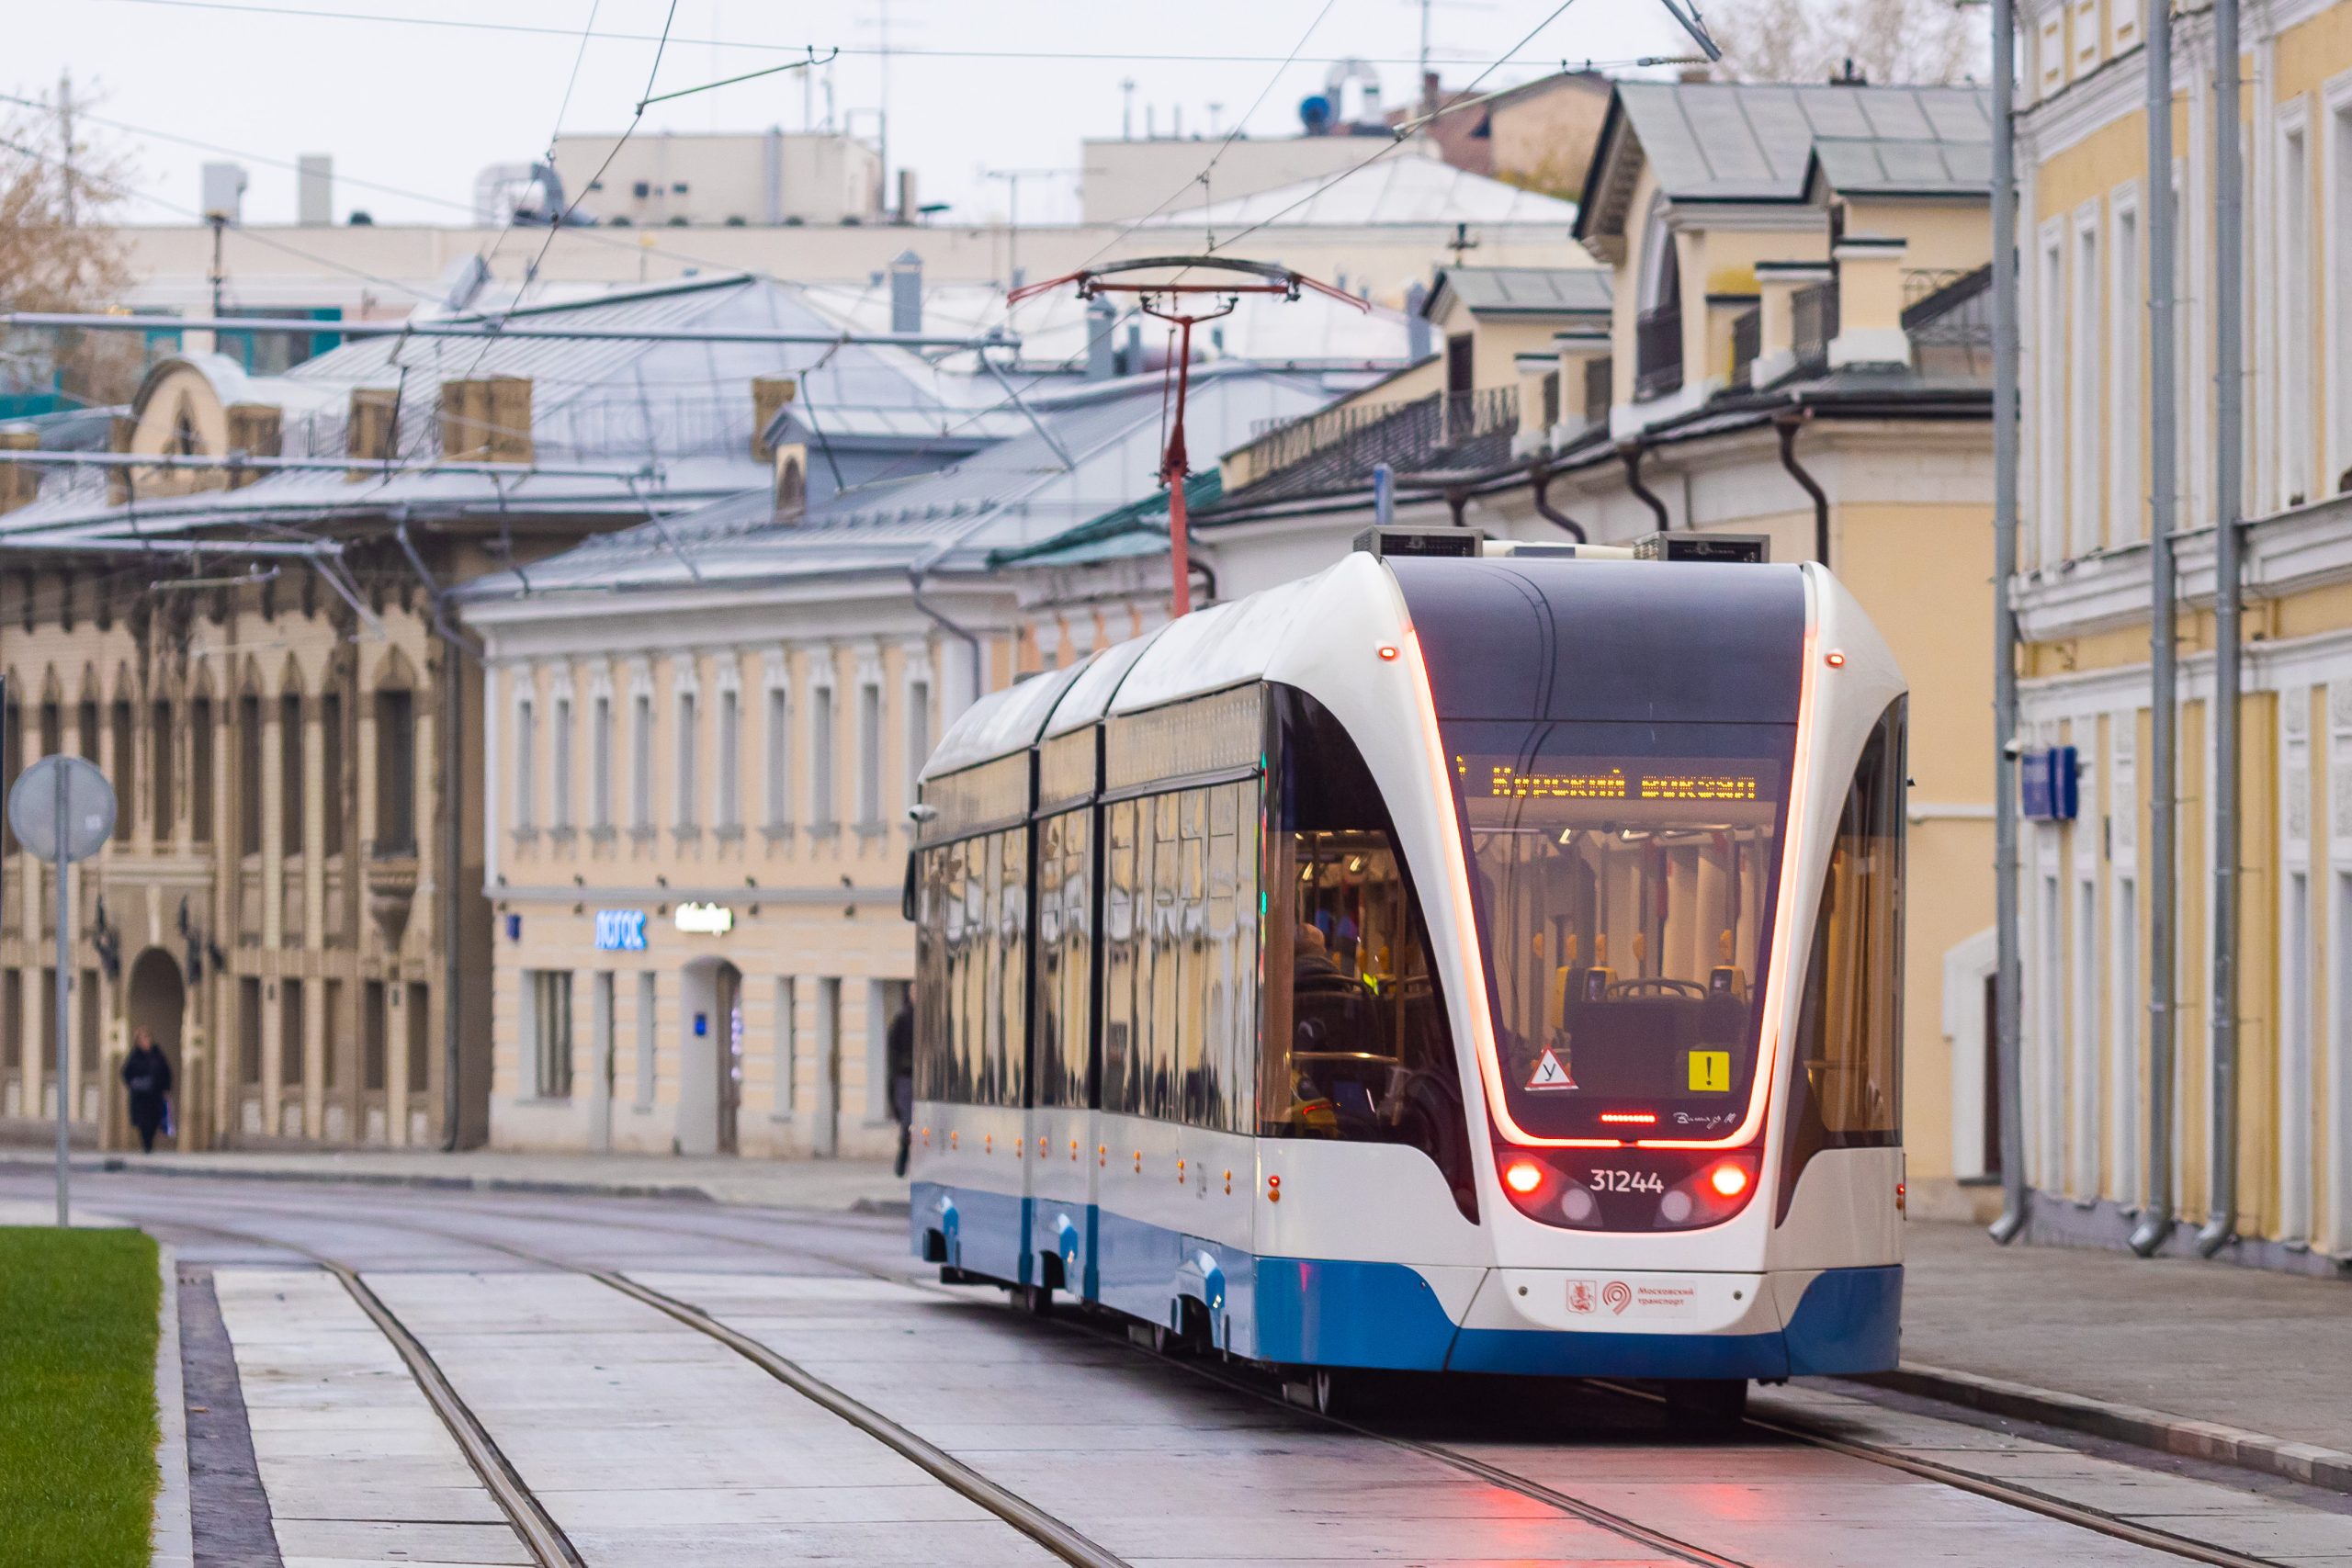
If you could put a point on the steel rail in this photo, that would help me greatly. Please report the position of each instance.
(1069, 1545)
(540, 1535)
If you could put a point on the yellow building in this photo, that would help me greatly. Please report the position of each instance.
(2083, 595)
(1791, 338)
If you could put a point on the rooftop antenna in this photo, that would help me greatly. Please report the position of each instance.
(1165, 298)
(1126, 109)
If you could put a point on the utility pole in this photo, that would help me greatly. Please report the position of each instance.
(2156, 1212)
(1126, 109)
(2009, 1111)
(65, 145)
(2229, 468)
(1012, 178)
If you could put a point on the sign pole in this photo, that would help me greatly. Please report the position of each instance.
(65, 1013)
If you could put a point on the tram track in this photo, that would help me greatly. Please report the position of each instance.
(2007, 1493)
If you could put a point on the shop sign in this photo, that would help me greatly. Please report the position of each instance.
(620, 930)
(2048, 783)
(704, 919)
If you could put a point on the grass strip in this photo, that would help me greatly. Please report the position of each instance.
(77, 1396)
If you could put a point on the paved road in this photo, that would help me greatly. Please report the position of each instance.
(609, 1350)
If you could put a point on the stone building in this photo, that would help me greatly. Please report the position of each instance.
(260, 658)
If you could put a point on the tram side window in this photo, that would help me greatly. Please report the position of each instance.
(1180, 955)
(1064, 957)
(972, 914)
(1848, 1091)
(1357, 1044)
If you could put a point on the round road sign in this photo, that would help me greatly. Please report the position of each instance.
(62, 792)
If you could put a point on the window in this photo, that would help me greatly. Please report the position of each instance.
(918, 733)
(2337, 225)
(2085, 357)
(821, 816)
(375, 1031)
(869, 755)
(2298, 1084)
(787, 1027)
(779, 782)
(560, 767)
(85, 730)
(2083, 1088)
(159, 742)
(1065, 958)
(689, 761)
(52, 737)
(2045, 1077)
(293, 1029)
(331, 784)
(120, 722)
(2123, 1061)
(1847, 1090)
(395, 773)
(972, 921)
(527, 757)
(248, 1029)
(641, 764)
(2048, 412)
(249, 765)
(2128, 321)
(551, 1034)
(331, 1073)
(85, 1024)
(200, 768)
(2297, 396)
(12, 1021)
(645, 1043)
(12, 742)
(420, 1038)
(293, 797)
(600, 761)
(600, 1006)
(731, 760)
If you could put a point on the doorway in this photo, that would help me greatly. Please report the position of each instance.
(155, 1001)
(710, 1089)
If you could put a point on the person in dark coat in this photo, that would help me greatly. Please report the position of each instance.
(147, 1077)
(900, 1043)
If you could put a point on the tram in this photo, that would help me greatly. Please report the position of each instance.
(1483, 964)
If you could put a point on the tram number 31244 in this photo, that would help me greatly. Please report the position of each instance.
(1627, 1181)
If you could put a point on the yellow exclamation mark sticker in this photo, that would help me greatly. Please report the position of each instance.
(1710, 1072)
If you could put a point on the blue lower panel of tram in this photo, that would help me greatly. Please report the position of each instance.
(1311, 1312)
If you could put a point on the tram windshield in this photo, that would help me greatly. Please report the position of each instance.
(1624, 876)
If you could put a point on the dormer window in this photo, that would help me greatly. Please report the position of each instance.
(1657, 328)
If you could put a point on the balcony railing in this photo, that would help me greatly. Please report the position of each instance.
(1747, 340)
(1340, 447)
(1812, 321)
(1657, 353)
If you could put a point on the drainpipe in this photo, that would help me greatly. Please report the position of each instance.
(2157, 1215)
(1787, 424)
(1630, 454)
(1457, 500)
(2229, 434)
(2007, 1055)
(1539, 480)
(971, 642)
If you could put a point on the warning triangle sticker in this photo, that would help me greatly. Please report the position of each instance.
(1549, 1074)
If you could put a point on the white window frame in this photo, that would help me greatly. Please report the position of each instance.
(2126, 1040)
(546, 994)
(824, 766)
(600, 756)
(2127, 505)
(2294, 389)
(787, 1043)
(2335, 215)
(916, 701)
(2086, 358)
(560, 754)
(525, 751)
(686, 710)
(869, 755)
(776, 715)
(641, 731)
(2049, 413)
(728, 765)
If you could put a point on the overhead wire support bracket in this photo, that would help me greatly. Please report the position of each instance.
(498, 327)
(645, 104)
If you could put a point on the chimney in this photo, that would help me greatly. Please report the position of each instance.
(769, 395)
(906, 293)
(19, 482)
(791, 489)
(314, 190)
(486, 420)
(907, 196)
(1870, 302)
(369, 431)
(257, 430)
(1102, 357)
(1420, 341)
(1429, 92)
(1777, 285)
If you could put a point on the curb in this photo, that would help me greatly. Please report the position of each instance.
(172, 1540)
(2134, 1424)
(112, 1165)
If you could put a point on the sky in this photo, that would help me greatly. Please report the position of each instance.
(397, 95)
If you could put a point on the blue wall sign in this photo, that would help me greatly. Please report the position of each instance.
(2046, 781)
(514, 928)
(620, 930)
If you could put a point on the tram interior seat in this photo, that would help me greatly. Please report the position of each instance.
(1338, 1047)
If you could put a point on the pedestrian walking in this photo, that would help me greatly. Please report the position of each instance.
(901, 1053)
(147, 1078)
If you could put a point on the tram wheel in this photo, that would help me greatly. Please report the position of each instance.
(1167, 1341)
(1338, 1393)
(1037, 1301)
(1705, 1402)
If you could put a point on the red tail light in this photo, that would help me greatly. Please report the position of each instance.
(1728, 1180)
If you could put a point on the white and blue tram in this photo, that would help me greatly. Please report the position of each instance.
(1482, 965)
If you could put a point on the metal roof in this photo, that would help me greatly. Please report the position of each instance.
(1010, 494)
(1867, 165)
(1523, 290)
(1406, 190)
(1743, 141)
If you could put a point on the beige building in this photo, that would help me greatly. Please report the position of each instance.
(247, 634)
(704, 742)
(1801, 352)
(2083, 597)
(732, 179)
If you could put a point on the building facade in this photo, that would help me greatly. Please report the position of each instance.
(2083, 597)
